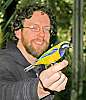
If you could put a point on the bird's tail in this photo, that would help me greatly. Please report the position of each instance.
(28, 68)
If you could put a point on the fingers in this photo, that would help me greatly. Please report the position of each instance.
(49, 81)
(59, 85)
(56, 84)
(52, 78)
(57, 67)
(62, 86)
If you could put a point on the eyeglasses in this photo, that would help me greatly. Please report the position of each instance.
(37, 28)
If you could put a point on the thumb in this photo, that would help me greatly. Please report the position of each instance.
(56, 67)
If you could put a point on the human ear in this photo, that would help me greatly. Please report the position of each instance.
(18, 33)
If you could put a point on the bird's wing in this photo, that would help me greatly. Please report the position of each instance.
(50, 52)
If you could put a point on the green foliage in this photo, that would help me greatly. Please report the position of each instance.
(64, 12)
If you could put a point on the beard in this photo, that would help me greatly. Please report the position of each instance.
(36, 50)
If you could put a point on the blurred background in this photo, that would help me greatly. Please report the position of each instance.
(71, 26)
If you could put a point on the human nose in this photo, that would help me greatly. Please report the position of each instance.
(41, 32)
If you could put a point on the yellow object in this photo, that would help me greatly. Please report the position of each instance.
(52, 55)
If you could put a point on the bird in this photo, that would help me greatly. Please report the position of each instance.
(51, 56)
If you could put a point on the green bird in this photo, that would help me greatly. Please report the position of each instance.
(51, 56)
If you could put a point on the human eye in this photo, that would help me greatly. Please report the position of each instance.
(34, 27)
(31, 26)
(46, 29)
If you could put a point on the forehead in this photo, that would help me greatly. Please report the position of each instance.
(39, 17)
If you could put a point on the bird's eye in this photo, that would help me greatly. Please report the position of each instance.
(65, 46)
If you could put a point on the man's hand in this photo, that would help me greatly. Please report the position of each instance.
(53, 79)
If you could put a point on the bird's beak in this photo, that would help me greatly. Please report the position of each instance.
(70, 45)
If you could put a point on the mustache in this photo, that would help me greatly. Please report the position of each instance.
(38, 39)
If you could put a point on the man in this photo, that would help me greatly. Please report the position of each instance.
(34, 29)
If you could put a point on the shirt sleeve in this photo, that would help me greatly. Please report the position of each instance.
(21, 90)
(12, 88)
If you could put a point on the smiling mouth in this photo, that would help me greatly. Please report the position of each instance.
(38, 42)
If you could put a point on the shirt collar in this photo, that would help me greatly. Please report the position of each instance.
(16, 53)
